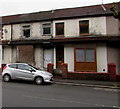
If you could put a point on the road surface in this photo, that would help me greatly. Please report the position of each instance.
(25, 94)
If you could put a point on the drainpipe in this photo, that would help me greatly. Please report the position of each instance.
(11, 31)
(52, 30)
(11, 46)
(53, 53)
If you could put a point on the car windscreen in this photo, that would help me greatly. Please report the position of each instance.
(33, 67)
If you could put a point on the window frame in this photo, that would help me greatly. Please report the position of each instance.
(26, 28)
(19, 67)
(46, 25)
(85, 48)
(57, 27)
(84, 25)
(15, 66)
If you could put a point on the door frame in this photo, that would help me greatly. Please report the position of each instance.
(59, 56)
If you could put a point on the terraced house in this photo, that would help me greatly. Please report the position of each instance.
(86, 38)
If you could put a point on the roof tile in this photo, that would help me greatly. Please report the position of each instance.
(87, 11)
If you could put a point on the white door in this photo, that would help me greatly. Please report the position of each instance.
(48, 57)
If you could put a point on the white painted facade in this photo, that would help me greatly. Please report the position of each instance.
(97, 26)
(69, 57)
(101, 55)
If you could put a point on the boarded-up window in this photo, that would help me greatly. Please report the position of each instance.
(25, 53)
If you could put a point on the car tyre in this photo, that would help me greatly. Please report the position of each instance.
(6, 78)
(38, 80)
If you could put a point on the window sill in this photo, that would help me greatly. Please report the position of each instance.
(84, 34)
(46, 35)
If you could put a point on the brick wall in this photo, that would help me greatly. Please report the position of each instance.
(110, 76)
(88, 76)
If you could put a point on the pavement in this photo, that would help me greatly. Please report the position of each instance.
(89, 83)
(86, 83)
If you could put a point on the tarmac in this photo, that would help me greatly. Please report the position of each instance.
(86, 83)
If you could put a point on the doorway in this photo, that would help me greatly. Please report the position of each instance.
(59, 56)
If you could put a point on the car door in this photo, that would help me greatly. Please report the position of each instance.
(24, 72)
(14, 71)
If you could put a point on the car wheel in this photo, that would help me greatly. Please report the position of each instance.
(6, 78)
(38, 80)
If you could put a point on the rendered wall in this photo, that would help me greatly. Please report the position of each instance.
(112, 26)
(7, 32)
(97, 26)
(69, 57)
(101, 54)
(16, 31)
(113, 56)
(36, 31)
(38, 56)
(7, 56)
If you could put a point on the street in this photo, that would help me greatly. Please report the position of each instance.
(24, 94)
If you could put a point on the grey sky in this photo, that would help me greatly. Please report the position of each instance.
(10, 7)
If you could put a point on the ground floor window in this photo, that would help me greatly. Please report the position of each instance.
(85, 57)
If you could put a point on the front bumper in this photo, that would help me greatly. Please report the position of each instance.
(50, 80)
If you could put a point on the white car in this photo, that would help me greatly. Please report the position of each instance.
(25, 71)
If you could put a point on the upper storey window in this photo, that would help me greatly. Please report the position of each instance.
(46, 29)
(84, 27)
(59, 29)
(26, 31)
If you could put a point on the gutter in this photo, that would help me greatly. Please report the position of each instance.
(66, 40)
(58, 18)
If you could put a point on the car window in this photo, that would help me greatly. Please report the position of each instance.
(23, 67)
(32, 67)
(13, 66)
